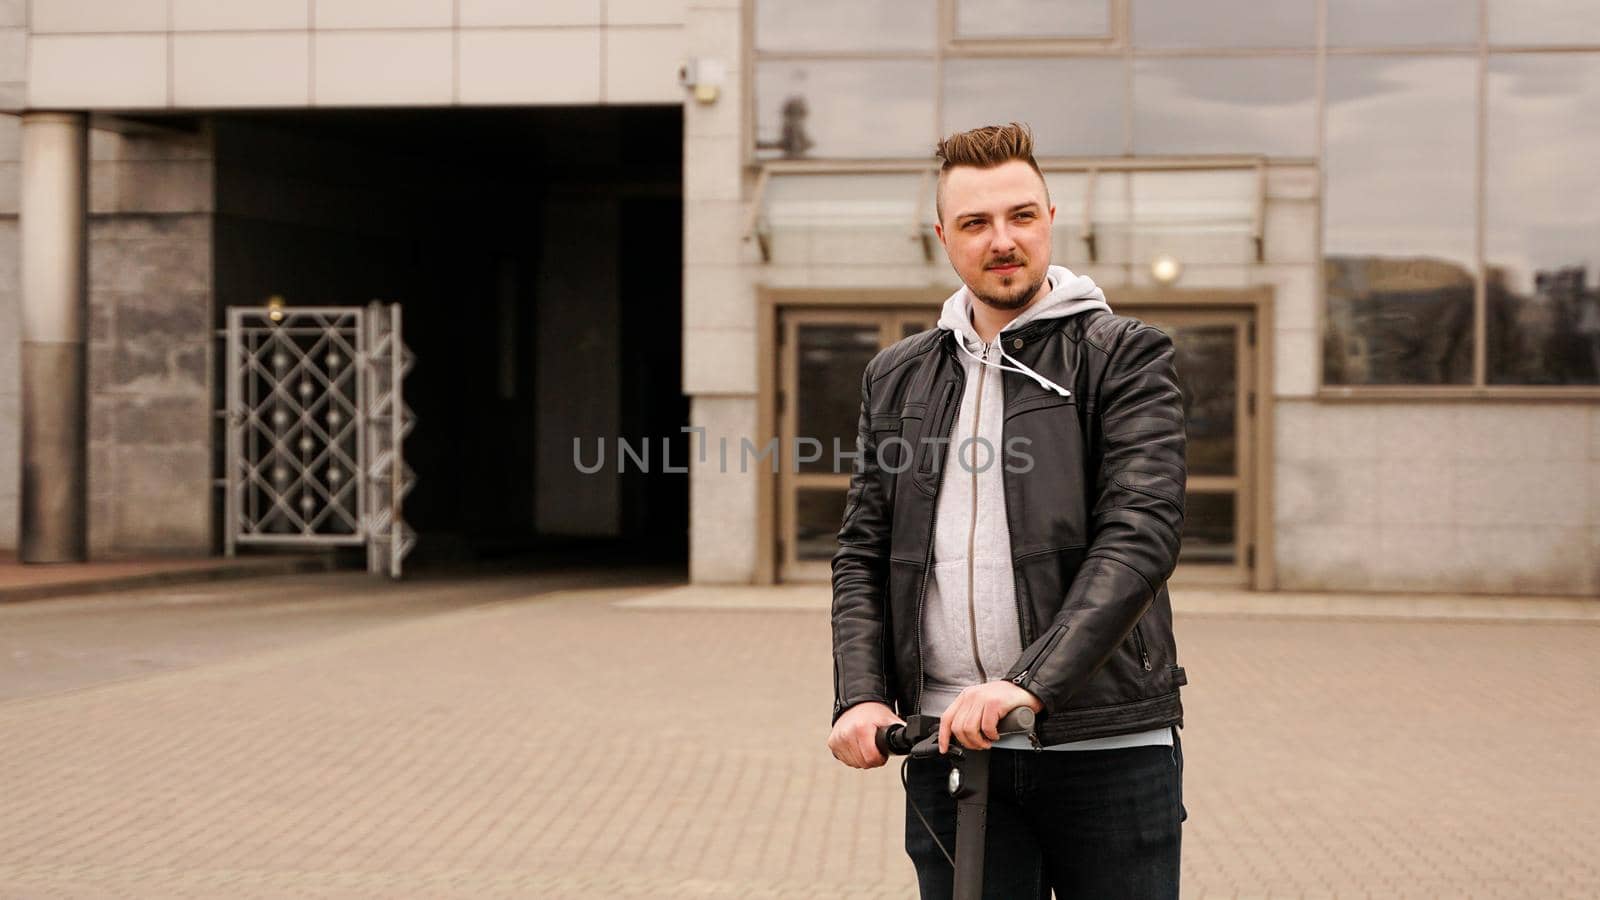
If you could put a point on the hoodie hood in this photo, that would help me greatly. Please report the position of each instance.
(1069, 295)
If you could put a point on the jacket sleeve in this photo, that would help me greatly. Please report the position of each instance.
(861, 575)
(1136, 522)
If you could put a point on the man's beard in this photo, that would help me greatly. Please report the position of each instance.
(1012, 300)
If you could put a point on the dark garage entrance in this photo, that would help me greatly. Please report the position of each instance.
(537, 257)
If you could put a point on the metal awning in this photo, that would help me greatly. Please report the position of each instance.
(1093, 198)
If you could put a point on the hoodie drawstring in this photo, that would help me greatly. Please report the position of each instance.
(1020, 369)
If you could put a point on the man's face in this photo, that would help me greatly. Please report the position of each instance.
(995, 228)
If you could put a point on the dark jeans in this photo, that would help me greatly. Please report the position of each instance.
(1086, 823)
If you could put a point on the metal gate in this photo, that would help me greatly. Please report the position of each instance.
(316, 419)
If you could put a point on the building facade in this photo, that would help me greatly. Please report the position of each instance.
(1370, 228)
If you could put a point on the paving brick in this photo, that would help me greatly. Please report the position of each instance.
(562, 745)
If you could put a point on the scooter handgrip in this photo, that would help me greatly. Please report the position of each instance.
(891, 740)
(1020, 719)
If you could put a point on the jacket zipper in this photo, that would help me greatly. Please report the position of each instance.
(1138, 641)
(972, 524)
(927, 562)
(1022, 626)
(1022, 677)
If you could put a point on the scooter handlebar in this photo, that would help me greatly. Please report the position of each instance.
(897, 739)
(892, 740)
(1018, 721)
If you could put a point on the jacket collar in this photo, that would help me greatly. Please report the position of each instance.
(1028, 333)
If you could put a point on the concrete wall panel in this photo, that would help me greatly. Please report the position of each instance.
(558, 65)
(520, 13)
(1480, 497)
(239, 15)
(100, 71)
(722, 504)
(1291, 231)
(1294, 367)
(719, 361)
(98, 15)
(642, 65)
(150, 277)
(10, 188)
(377, 68)
(10, 367)
(724, 298)
(13, 54)
(1295, 294)
(646, 12)
(385, 13)
(235, 70)
(10, 138)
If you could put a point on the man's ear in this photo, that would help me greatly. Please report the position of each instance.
(1052, 214)
(938, 230)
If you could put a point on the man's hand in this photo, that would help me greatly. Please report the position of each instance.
(974, 717)
(854, 737)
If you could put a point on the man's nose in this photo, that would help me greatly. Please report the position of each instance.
(1002, 241)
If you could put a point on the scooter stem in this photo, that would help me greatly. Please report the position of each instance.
(969, 784)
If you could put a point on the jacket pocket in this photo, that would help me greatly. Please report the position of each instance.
(885, 434)
(940, 429)
(1139, 647)
(1042, 401)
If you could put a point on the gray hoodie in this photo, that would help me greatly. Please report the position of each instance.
(970, 612)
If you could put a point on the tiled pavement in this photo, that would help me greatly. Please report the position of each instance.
(568, 746)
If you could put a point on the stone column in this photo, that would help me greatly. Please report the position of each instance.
(54, 232)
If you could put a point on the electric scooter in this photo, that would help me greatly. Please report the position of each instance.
(918, 738)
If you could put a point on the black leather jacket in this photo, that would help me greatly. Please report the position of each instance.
(1094, 524)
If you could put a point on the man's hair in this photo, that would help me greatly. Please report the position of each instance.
(985, 148)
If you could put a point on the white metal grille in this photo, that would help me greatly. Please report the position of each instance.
(389, 420)
(316, 420)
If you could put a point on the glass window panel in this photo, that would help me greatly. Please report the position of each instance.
(1033, 18)
(1543, 22)
(1188, 198)
(1074, 106)
(846, 218)
(1542, 240)
(1234, 105)
(843, 200)
(819, 512)
(1069, 193)
(845, 25)
(1208, 529)
(1224, 23)
(1399, 220)
(844, 109)
(832, 358)
(1385, 23)
(1196, 216)
(1207, 360)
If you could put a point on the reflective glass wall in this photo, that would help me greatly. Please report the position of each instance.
(1462, 211)
(867, 79)
(1458, 140)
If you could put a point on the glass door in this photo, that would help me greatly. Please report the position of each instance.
(1214, 359)
(822, 355)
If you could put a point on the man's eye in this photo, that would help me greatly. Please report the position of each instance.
(1026, 215)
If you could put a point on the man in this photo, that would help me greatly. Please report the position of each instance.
(1007, 538)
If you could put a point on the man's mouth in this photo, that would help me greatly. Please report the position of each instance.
(1006, 269)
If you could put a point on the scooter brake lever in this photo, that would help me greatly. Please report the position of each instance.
(928, 748)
